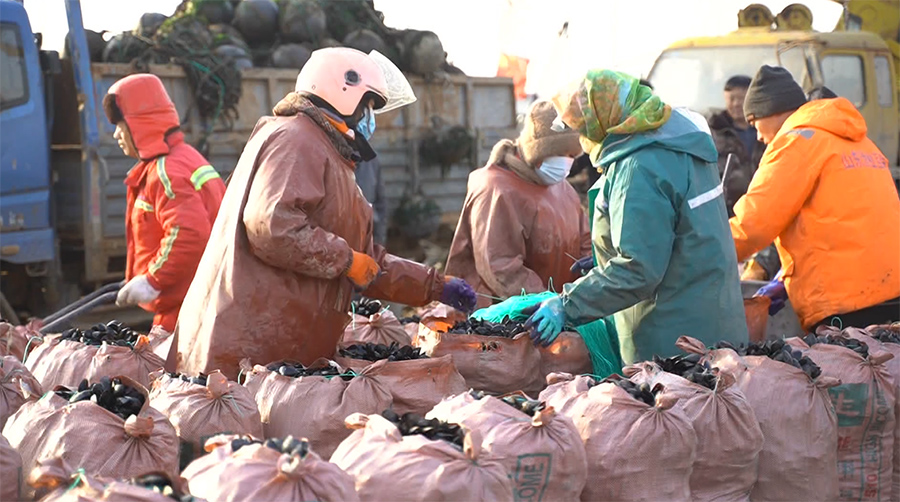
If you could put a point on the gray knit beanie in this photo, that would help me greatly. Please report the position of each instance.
(772, 91)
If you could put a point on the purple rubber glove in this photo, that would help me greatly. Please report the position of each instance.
(458, 294)
(583, 265)
(775, 291)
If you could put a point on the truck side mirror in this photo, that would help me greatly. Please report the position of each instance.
(50, 63)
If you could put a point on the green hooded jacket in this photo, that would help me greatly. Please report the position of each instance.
(666, 260)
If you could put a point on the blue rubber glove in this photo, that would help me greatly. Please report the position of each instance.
(775, 291)
(583, 265)
(458, 294)
(546, 321)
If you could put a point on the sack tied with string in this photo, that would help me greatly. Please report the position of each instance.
(315, 407)
(199, 412)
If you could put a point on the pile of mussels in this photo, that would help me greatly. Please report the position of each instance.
(161, 484)
(200, 379)
(296, 370)
(843, 341)
(505, 329)
(117, 397)
(689, 367)
(885, 335)
(289, 445)
(642, 392)
(777, 350)
(521, 403)
(111, 333)
(411, 319)
(410, 424)
(379, 351)
(365, 307)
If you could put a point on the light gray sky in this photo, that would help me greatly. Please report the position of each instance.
(619, 34)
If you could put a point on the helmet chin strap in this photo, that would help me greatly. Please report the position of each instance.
(362, 146)
(359, 143)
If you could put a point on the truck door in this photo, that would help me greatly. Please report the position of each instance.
(888, 108)
(25, 223)
(800, 58)
(852, 74)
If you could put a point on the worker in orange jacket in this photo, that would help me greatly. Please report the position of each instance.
(825, 195)
(172, 201)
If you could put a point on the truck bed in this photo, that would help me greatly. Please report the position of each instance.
(90, 194)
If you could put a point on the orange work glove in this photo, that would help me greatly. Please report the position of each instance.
(363, 270)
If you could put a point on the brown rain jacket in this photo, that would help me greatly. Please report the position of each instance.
(514, 235)
(271, 282)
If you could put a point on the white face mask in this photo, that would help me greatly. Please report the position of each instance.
(555, 169)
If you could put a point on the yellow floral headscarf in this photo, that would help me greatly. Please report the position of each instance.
(609, 102)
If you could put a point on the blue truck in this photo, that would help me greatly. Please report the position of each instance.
(28, 239)
(62, 197)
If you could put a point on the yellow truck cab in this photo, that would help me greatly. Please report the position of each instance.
(857, 65)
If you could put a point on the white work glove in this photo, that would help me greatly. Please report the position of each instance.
(138, 291)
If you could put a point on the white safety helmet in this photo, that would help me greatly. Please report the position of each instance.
(342, 77)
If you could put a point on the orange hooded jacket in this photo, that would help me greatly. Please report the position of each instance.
(825, 194)
(173, 194)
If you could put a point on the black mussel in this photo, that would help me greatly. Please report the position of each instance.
(83, 395)
(365, 307)
(289, 371)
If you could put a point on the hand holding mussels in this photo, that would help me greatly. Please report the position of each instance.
(117, 397)
(410, 424)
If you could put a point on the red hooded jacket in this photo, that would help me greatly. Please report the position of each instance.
(173, 194)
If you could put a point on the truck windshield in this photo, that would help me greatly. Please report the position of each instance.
(695, 77)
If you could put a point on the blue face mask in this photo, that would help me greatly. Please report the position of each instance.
(366, 125)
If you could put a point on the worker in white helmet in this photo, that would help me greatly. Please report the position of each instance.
(293, 240)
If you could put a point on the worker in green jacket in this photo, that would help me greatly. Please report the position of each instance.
(664, 262)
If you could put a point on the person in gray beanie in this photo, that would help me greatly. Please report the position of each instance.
(824, 194)
(772, 97)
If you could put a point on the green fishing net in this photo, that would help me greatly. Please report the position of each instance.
(600, 336)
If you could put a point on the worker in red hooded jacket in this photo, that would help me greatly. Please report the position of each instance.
(173, 197)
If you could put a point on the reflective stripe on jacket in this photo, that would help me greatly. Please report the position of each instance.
(173, 194)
